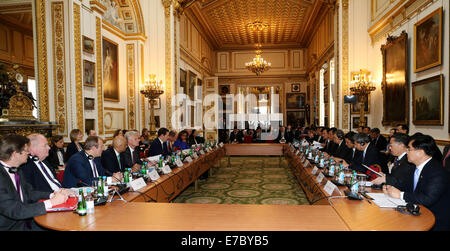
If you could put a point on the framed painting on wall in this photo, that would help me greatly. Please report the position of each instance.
(356, 107)
(428, 42)
(110, 71)
(88, 45)
(428, 101)
(295, 100)
(89, 104)
(355, 122)
(89, 73)
(395, 81)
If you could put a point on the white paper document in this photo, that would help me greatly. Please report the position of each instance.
(382, 200)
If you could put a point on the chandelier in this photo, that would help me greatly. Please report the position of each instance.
(258, 65)
(152, 88)
(361, 85)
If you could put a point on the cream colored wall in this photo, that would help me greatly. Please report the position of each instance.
(154, 53)
(365, 54)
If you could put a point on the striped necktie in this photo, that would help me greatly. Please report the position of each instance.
(44, 170)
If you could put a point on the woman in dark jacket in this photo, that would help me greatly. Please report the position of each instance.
(75, 146)
(56, 153)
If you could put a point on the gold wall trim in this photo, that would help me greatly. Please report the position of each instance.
(78, 77)
(99, 69)
(395, 17)
(124, 36)
(42, 60)
(142, 95)
(131, 86)
(168, 92)
(59, 60)
(345, 71)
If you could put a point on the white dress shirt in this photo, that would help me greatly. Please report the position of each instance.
(60, 157)
(52, 185)
(93, 167)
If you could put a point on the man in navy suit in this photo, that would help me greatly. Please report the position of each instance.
(111, 161)
(369, 155)
(85, 166)
(38, 172)
(427, 184)
(159, 145)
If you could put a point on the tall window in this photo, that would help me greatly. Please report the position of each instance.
(332, 96)
(33, 89)
(321, 98)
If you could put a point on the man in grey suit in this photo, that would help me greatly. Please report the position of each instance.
(18, 201)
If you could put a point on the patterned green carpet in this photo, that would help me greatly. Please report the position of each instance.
(249, 180)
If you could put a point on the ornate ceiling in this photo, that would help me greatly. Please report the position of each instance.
(225, 21)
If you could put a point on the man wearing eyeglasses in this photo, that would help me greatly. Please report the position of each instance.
(400, 167)
(427, 184)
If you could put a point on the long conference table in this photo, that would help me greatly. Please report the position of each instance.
(326, 214)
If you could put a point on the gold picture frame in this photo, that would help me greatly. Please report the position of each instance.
(110, 62)
(428, 108)
(88, 45)
(89, 73)
(355, 107)
(395, 81)
(428, 54)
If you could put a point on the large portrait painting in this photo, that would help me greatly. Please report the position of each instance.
(428, 42)
(428, 101)
(110, 71)
(395, 81)
(295, 100)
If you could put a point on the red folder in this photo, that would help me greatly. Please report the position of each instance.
(70, 205)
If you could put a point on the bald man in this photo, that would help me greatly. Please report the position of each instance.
(111, 161)
(37, 171)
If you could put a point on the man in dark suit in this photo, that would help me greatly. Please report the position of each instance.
(85, 166)
(111, 161)
(236, 136)
(427, 184)
(378, 140)
(329, 146)
(38, 172)
(159, 145)
(341, 151)
(400, 167)
(18, 201)
(283, 136)
(369, 156)
(130, 156)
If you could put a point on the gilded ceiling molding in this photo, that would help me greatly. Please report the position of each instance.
(59, 66)
(99, 69)
(131, 86)
(78, 78)
(345, 70)
(168, 85)
(42, 60)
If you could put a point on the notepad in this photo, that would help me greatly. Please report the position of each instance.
(385, 201)
(69, 205)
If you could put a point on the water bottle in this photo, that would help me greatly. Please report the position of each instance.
(126, 178)
(89, 202)
(331, 171)
(341, 179)
(100, 187)
(354, 184)
(105, 187)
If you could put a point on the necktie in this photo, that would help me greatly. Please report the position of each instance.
(17, 178)
(118, 158)
(48, 175)
(446, 156)
(396, 162)
(94, 171)
(416, 177)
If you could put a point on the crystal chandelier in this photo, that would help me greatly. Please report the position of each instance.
(258, 65)
(361, 85)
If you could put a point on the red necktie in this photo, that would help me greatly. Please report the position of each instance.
(446, 156)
